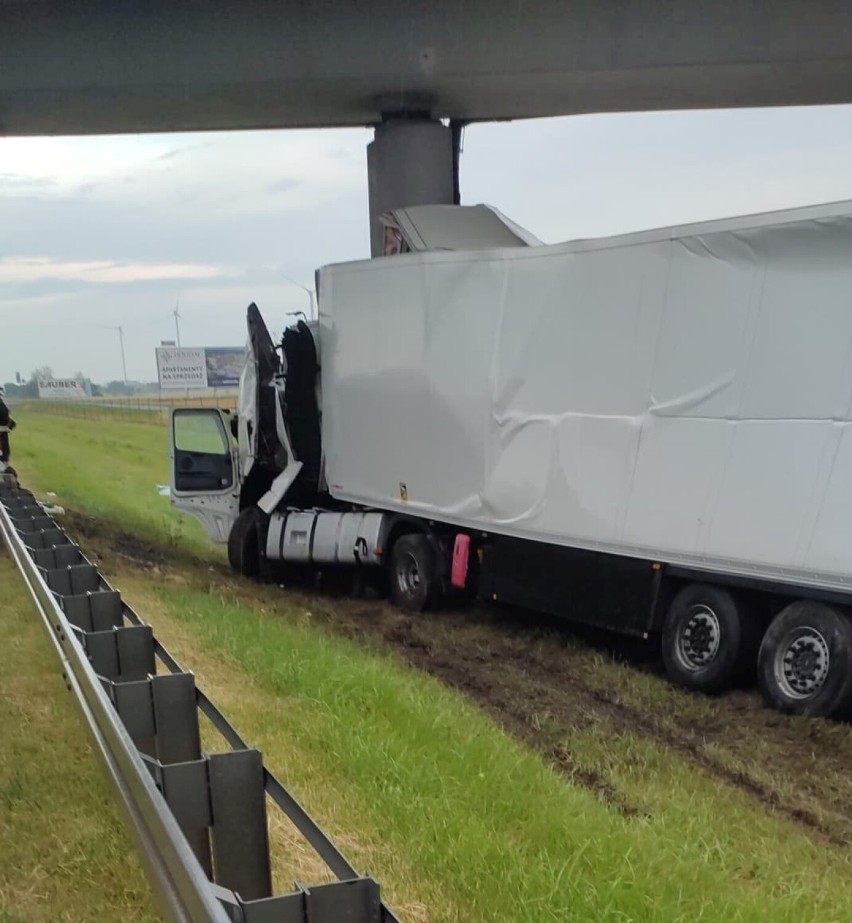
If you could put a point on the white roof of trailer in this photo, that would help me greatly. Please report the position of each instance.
(520, 244)
(457, 227)
(822, 211)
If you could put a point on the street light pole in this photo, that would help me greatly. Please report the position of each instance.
(304, 288)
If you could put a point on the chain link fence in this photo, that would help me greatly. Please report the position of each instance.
(140, 408)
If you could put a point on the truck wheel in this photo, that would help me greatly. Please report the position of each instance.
(703, 638)
(805, 661)
(413, 573)
(244, 542)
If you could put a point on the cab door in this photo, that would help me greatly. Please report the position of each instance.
(204, 469)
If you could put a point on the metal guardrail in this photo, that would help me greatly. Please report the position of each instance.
(199, 820)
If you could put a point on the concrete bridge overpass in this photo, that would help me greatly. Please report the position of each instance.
(83, 67)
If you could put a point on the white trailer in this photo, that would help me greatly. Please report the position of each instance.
(648, 432)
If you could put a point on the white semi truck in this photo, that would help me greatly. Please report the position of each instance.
(649, 433)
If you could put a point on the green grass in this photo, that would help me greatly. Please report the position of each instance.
(64, 855)
(485, 821)
(107, 469)
(442, 806)
(113, 411)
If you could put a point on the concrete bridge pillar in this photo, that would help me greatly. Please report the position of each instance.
(411, 161)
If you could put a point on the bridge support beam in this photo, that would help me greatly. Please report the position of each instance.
(411, 161)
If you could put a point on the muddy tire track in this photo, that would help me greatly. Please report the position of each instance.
(690, 748)
(515, 683)
(518, 715)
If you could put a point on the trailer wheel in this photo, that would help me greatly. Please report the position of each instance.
(244, 542)
(413, 573)
(805, 660)
(704, 641)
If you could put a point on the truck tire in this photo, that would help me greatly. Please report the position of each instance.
(414, 581)
(805, 661)
(244, 542)
(704, 639)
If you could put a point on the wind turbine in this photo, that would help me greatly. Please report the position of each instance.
(120, 329)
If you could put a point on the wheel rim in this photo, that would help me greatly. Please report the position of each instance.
(801, 663)
(698, 640)
(408, 574)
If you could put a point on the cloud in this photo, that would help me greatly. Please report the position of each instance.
(39, 269)
(171, 154)
(67, 162)
(15, 182)
(282, 185)
(596, 175)
(101, 231)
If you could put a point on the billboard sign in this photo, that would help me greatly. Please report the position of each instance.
(224, 366)
(63, 389)
(196, 368)
(179, 368)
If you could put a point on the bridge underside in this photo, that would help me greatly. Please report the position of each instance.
(87, 67)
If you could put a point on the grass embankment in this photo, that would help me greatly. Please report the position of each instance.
(64, 854)
(458, 820)
(108, 469)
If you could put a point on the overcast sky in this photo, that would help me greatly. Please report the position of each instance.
(97, 232)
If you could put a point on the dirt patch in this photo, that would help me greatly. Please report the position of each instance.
(105, 541)
(541, 680)
(102, 541)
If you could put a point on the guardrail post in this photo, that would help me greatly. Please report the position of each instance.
(121, 654)
(240, 836)
(101, 611)
(176, 718)
(186, 788)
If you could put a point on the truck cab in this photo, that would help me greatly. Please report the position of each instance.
(223, 462)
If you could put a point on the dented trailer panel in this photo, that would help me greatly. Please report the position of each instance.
(681, 395)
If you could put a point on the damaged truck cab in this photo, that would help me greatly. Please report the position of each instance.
(227, 468)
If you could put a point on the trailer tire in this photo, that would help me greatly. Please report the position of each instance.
(414, 581)
(805, 661)
(244, 542)
(704, 641)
